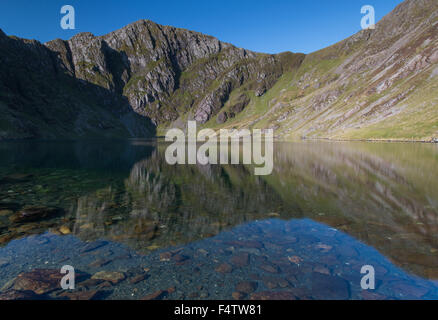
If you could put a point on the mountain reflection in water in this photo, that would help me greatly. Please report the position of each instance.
(383, 195)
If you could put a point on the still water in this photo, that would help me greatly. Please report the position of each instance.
(134, 227)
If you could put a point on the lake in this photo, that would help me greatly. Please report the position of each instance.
(135, 227)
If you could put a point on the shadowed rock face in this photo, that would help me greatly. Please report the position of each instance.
(38, 99)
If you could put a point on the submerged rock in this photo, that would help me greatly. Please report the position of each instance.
(327, 287)
(157, 295)
(40, 281)
(35, 213)
(224, 268)
(19, 295)
(111, 276)
(246, 286)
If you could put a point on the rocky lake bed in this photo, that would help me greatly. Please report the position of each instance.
(136, 228)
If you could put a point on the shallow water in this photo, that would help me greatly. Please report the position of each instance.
(219, 232)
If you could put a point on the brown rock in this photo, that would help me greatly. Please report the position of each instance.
(269, 268)
(157, 295)
(111, 276)
(224, 268)
(238, 295)
(323, 247)
(40, 281)
(295, 259)
(64, 230)
(5, 238)
(165, 256)
(138, 278)
(246, 286)
(105, 284)
(180, 258)
(273, 282)
(19, 295)
(240, 260)
(325, 287)
(80, 295)
(34, 213)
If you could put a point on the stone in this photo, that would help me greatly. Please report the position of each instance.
(5, 238)
(321, 269)
(80, 295)
(272, 282)
(246, 286)
(240, 260)
(19, 295)
(111, 276)
(323, 247)
(165, 256)
(238, 295)
(64, 230)
(157, 295)
(138, 278)
(34, 213)
(325, 287)
(41, 281)
(295, 259)
(224, 268)
(269, 268)
(180, 258)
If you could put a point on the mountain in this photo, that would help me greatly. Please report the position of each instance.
(377, 84)
(145, 78)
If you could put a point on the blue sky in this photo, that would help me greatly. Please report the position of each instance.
(270, 26)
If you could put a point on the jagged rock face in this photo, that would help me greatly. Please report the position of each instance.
(41, 98)
(165, 72)
(363, 87)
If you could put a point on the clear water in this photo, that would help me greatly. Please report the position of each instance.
(209, 232)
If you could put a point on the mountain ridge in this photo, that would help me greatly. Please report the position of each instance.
(361, 87)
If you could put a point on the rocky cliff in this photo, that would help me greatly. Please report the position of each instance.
(376, 84)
